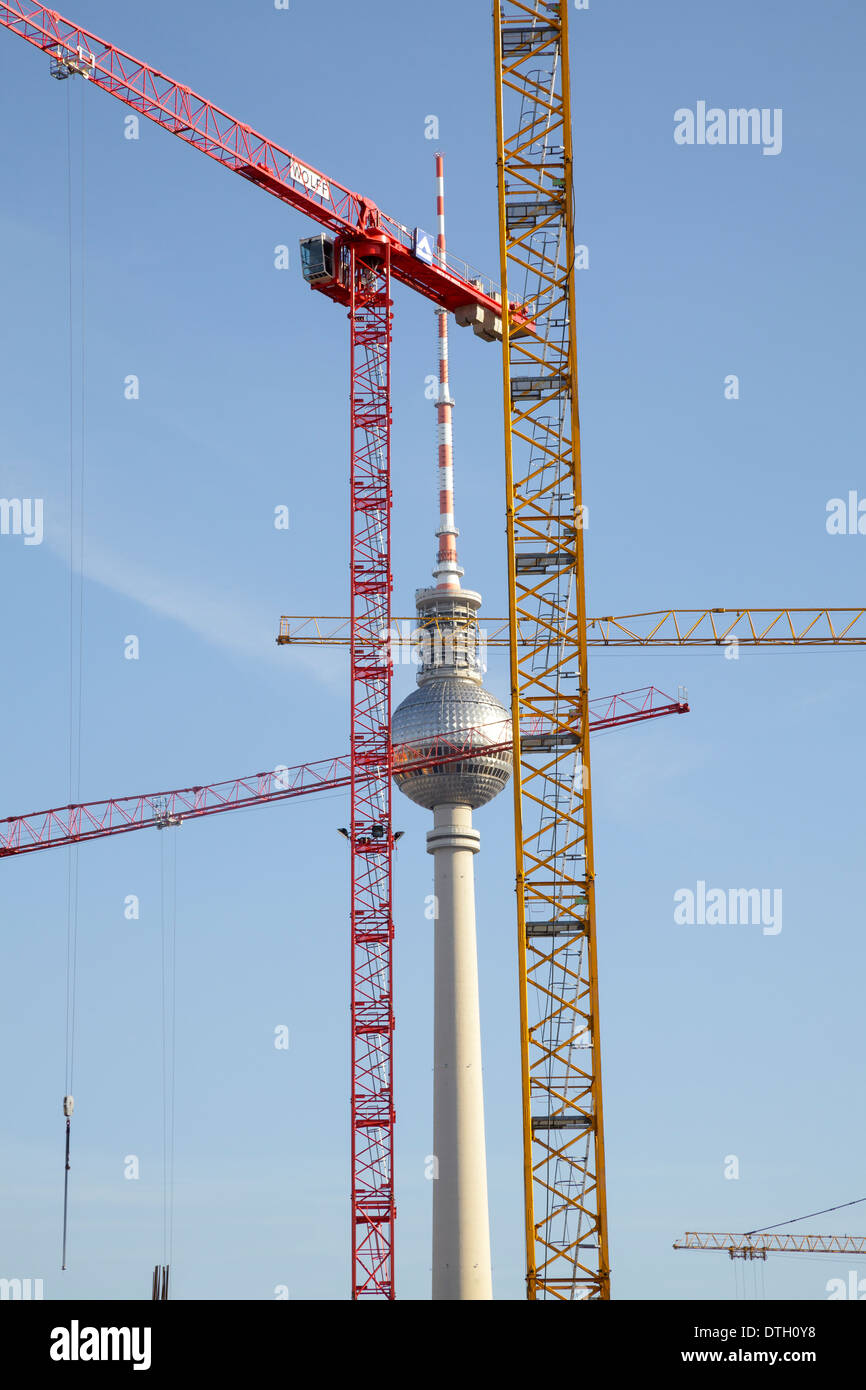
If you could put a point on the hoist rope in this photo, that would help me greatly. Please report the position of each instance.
(168, 907)
(76, 605)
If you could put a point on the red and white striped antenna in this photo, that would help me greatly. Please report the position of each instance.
(447, 572)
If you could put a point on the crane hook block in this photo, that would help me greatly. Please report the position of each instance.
(68, 1105)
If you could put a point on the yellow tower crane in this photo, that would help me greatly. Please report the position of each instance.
(563, 1129)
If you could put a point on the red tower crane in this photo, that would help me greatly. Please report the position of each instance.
(353, 266)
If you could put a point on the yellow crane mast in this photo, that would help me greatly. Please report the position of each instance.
(563, 1128)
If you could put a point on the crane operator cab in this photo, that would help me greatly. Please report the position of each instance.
(326, 267)
(317, 259)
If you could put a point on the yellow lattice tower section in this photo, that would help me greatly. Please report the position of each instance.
(566, 1220)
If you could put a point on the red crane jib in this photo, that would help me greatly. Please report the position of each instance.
(65, 825)
(76, 52)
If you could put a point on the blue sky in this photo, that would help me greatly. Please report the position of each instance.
(703, 261)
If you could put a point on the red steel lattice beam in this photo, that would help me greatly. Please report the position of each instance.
(370, 833)
(94, 820)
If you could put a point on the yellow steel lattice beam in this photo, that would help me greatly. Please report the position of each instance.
(563, 1136)
(756, 1244)
(667, 627)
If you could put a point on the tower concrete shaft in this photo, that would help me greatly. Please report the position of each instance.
(461, 1223)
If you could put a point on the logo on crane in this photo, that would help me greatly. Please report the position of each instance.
(313, 182)
(422, 247)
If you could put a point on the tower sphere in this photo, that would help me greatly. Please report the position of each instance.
(424, 725)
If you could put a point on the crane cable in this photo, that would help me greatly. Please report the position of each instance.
(76, 615)
(168, 909)
(792, 1221)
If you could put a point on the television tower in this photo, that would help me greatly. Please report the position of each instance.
(450, 699)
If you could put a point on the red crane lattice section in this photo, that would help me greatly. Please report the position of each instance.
(370, 834)
(68, 825)
(94, 820)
